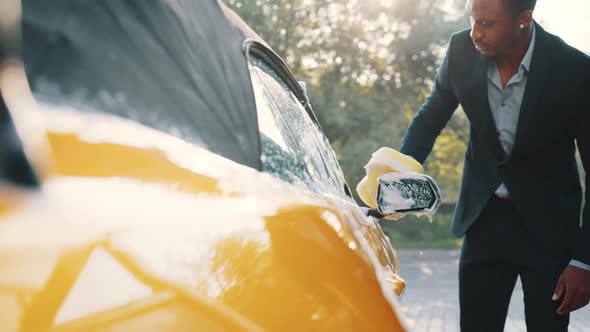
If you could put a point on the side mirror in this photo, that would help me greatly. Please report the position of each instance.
(407, 193)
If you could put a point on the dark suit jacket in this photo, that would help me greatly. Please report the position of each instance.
(541, 173)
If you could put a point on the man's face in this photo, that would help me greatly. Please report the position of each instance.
(494, 29)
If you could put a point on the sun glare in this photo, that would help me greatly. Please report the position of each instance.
(569, 19)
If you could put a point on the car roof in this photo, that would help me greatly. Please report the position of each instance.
(177, 66)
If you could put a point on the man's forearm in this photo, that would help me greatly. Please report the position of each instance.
(432, 116)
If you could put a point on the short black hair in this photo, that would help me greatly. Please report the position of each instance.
(519, 6)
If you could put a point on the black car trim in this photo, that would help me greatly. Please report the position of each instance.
(15, 167)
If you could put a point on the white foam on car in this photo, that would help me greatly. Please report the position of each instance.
(405, 203)
(394, 198)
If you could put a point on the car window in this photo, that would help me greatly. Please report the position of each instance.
(293, 146)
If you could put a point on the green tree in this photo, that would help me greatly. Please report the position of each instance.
(369, 66)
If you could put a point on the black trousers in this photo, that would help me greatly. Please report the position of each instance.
(498, 249)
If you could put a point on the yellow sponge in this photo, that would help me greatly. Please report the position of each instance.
(385, 160)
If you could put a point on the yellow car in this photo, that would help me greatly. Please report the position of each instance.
(169, 175)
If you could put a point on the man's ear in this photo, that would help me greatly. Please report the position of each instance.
(525, 18)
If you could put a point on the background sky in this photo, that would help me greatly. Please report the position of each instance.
(569, 19)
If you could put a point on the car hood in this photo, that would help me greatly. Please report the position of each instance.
(143, 211)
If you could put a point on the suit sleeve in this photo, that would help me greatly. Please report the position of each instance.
(582, 251)
(432, 116)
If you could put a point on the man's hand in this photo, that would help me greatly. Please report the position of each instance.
(574, 282)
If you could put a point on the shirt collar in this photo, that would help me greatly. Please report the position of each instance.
(528, 57)
(493, 73)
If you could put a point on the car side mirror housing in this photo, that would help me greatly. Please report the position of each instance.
(407, 193)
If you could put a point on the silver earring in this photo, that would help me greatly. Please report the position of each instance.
(522, 26)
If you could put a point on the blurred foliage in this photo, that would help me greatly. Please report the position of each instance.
(369, 66)
(419, 232)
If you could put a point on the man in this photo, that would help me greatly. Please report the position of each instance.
(526, 94)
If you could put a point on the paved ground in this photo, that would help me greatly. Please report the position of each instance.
(431, 303)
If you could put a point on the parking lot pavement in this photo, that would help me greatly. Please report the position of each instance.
(431, 304)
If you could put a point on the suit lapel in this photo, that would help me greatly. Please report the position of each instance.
(485, 119)
(534, 88)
